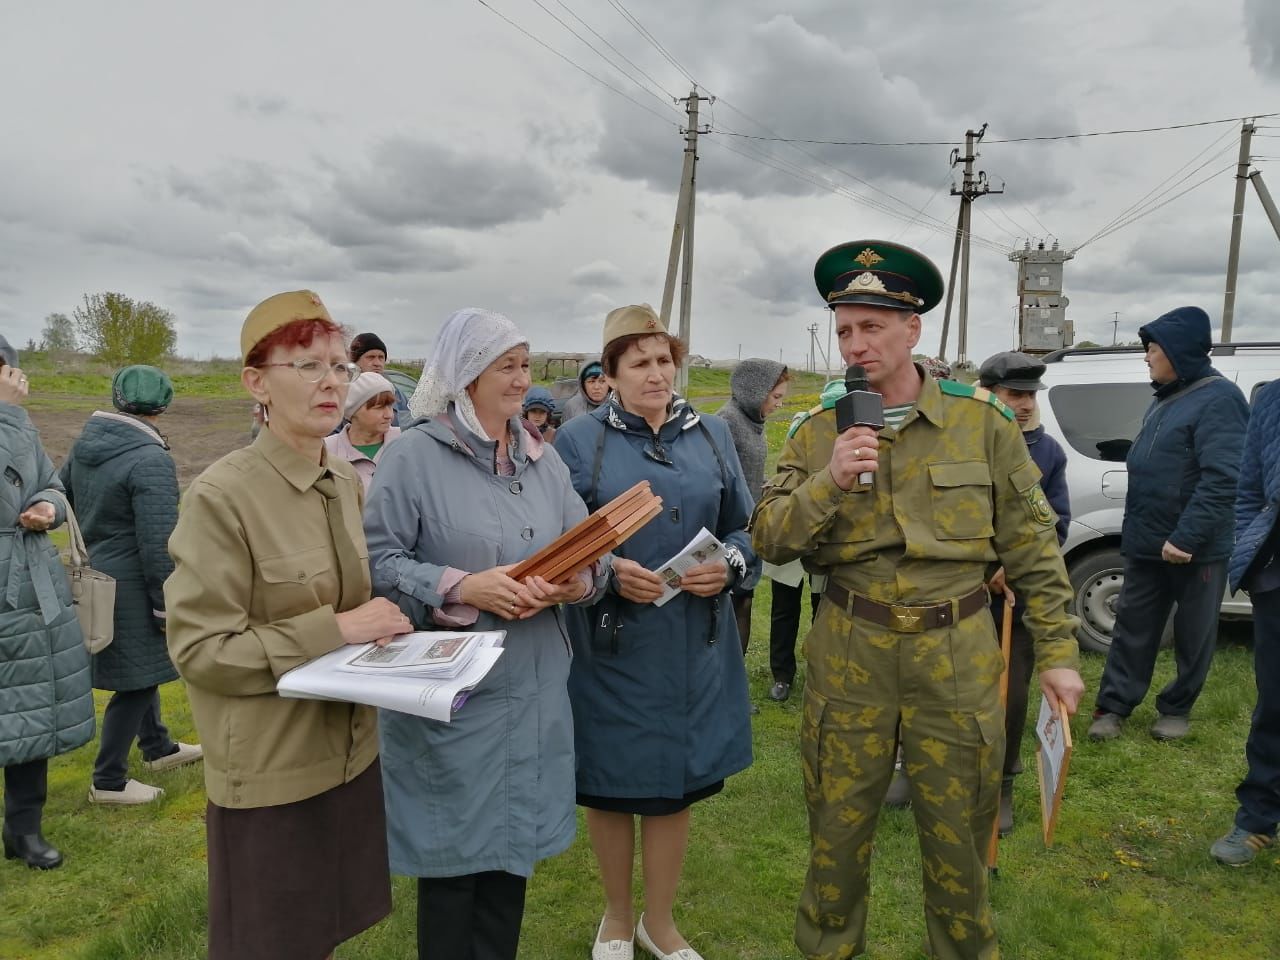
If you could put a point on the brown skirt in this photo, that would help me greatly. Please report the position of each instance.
(292, 882)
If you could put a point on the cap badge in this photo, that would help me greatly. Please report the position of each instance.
(650, 324)
(868, 281)
(868, 258)
(315, 301)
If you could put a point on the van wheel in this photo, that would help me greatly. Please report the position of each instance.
(1096, 581)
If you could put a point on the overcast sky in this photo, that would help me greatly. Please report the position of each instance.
(407, 158)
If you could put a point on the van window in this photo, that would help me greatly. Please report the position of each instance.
(1100, 420)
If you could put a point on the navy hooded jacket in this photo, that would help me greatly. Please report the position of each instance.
(1258, 502)
(1185, 461)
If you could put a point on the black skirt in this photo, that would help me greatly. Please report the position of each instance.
(649, 806)
(291, 882)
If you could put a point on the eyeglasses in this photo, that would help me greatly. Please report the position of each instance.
(312, 370)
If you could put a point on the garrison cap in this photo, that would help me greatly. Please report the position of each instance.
(879, 274)
(275, 312)
(1011, 369)
(625, 321)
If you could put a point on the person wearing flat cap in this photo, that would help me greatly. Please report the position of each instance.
(1014, 378)
(659, 692)
(906, 521)
(369, 412)
(369, 353)
(121, 480)
(271, 571)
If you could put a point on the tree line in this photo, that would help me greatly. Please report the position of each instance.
(113, 328)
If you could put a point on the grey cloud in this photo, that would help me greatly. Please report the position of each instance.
(600, 273)
(272, 107)
(245, 186)
(1262, 32)
(413, 182)
(407, 255)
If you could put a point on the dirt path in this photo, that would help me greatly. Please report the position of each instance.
(199, 430)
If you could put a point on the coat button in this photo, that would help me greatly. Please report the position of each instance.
(516, 487)
(526, 533)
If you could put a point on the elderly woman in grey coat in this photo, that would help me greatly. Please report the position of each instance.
(123, 485)
(473, 804)
(46, 705)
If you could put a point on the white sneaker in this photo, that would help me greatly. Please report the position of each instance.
(133, 794)
(187, 753)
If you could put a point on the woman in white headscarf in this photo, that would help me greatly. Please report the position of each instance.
(472, 805)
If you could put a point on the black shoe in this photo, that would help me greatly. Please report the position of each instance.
(780, 691)
(31, 849)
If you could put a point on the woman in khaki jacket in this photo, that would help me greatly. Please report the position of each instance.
(271, 570)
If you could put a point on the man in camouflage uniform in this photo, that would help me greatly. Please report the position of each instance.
(904, 635)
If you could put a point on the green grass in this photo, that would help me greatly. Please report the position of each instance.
(1128, 877)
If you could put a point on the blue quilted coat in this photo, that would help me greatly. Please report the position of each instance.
(46, 704)
(1258, 497)
(121, 482)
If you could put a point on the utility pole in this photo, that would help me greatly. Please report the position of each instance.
(682, 234)
(1267, 203)
(971, 188)
(1237, 223)
(1115, 326)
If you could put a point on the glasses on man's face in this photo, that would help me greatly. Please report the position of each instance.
(313, 371)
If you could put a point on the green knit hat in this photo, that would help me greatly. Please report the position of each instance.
(141, 390)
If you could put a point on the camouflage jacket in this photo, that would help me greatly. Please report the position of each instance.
(956, 493)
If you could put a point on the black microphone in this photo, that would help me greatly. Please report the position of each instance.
(859, 407)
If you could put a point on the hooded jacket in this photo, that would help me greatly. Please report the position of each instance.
(1258, 499)
(121, 481)
(750, 384)
(580, 403)
(1185, 461)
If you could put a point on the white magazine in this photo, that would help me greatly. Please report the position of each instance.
(330, 678)
(703, 548)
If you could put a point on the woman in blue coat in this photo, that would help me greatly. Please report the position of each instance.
(473, 804)
(659, 693)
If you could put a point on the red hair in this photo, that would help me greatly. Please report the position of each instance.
(384, 399)
(296, 333)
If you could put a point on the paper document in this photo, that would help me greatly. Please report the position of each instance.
(332, 677)
(703, 548)
(1053, 759)
(440, 656)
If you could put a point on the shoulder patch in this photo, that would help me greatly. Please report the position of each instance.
(955, 389)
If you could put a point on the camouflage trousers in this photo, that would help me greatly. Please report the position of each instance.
(943, 687)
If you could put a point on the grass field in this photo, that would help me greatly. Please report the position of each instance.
(1129, 877)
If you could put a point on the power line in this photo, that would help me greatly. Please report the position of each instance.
(665, 101)
(933, 196)
(1150, 210)
(1037, 139)
(632, 63)
(626, 14)
(1154, 191)
(581, 69)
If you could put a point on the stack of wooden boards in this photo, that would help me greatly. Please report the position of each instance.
(591, 539)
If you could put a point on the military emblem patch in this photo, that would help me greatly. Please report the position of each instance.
(1039, 504)
(868, 258)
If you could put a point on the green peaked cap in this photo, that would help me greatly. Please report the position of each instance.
(879, 274)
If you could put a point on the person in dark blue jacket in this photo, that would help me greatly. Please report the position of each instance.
(1177, 531)
(1015, 379)
(1255, 567)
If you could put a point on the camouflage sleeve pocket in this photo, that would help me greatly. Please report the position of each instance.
(1026, 480)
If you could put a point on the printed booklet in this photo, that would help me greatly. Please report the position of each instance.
(703, 548)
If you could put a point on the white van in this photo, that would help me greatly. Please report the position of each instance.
(1093, 406)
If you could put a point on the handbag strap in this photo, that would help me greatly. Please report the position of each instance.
(77, 550)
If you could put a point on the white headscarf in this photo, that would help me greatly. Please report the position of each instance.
(469, 341)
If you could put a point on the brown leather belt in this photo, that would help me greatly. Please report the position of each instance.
(908, 618)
